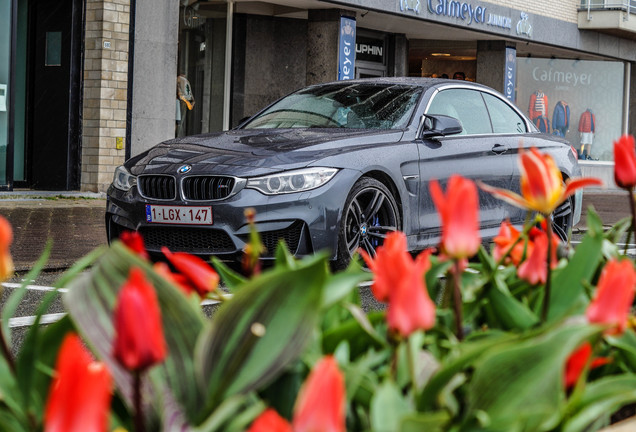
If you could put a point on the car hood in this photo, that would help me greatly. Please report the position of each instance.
(255, 152)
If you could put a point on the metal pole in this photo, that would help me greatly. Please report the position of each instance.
(227, 91)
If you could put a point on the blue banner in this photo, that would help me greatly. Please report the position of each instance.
(347, 49)
(510, 75)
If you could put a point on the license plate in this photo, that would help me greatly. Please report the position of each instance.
(185, 215)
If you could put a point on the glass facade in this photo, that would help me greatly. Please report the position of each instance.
(5, 63)
(201, 68)
(578, 99)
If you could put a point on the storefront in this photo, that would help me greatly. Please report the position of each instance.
(154, 71)
(201, 67)
(40, 93)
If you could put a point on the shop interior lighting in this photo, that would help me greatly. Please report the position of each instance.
(437, 54)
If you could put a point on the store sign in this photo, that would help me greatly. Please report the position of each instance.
(469, 13)
(347, 49)
(523, 26)
(410, 5)
(462, 10)
(369, 49)
(510, 78)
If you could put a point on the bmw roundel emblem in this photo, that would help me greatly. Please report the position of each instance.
(184, 169)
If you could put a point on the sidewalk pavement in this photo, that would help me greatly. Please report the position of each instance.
(75, 222)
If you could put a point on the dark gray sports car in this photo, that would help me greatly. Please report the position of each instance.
(333, 167)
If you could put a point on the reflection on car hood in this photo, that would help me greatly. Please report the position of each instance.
(255, 152)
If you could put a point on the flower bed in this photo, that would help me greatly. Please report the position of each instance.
(519, 338)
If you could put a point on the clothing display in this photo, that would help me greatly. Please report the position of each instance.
(587, 122)
(587, 128)
(542, 123)
(561, 118)
(538, 105)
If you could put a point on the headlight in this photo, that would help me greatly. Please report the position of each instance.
(292, 181)
(123, 179)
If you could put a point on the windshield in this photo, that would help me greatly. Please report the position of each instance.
(351, 106)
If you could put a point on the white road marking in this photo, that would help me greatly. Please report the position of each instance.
(28, 320)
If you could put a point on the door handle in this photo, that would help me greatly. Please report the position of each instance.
(499, 149)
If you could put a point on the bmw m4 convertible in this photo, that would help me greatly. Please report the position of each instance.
(333, 167)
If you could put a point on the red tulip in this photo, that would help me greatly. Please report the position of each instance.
(321, 401)
(79, 397)
(614, 296)
(625, 162)
(6, 237)
(391, 263)
(200, 275)
(135, 242)
(534, 269)
(459, 212)
(507, 237)
(270, 421)
(542, 188)
(400, 281)
(163, 269)
(577, 362)
(320, 406)
(139, 341)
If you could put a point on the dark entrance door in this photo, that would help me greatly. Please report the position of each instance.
(53, 106)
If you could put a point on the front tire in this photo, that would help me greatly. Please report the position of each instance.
(562, 219)
(370, 213)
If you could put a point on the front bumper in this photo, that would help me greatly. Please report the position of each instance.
(307, 222)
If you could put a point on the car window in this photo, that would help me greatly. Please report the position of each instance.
(504, 119)
(465, 105)
(350, 106)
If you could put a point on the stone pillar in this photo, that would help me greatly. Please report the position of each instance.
(105, 91)
(154, 85)
(322, 44)
(400, 46)
(491, 64)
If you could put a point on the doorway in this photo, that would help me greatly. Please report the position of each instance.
(53, 99)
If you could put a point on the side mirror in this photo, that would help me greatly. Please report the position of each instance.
(433, 125)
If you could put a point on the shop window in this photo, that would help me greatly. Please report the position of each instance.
(579, 100)
(201, 68)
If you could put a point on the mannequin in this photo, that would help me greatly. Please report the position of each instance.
(587, 127)
(538, 105)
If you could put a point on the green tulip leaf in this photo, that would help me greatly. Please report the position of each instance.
(359, 332)
(388, 406)
(340, 285)
(231, 279)
(511, 313)
(260, 331)
(519, 386)
(568, 285)
(626, 346)
(467, 353)
(429, 422)
(283, 257)
(600, 399)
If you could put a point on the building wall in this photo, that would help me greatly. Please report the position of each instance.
(268, 61)
(565, 10)
(105, 91)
